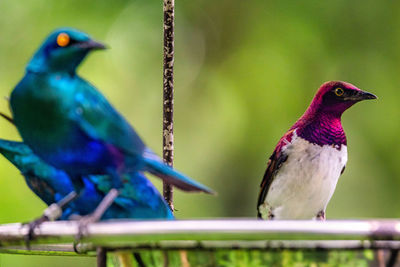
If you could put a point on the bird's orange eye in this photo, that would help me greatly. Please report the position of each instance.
(63, 39)
(339, 91)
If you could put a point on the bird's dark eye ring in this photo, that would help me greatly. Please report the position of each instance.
(339, 91)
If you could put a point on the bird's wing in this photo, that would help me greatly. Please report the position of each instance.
(276, 160)
(40, 187)
(98, 119)
(342, 171)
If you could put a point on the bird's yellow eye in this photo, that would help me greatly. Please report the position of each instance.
(339, 91)
(63, 39)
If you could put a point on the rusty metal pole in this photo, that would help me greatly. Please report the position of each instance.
(168, 94)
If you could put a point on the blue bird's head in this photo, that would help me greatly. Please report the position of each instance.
(62, 51)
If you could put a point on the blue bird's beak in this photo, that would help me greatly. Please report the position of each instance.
(92, 45)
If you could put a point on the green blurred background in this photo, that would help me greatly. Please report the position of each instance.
(244, 71)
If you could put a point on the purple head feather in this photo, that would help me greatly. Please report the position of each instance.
(321, 123)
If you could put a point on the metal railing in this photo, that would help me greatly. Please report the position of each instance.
(202, 234)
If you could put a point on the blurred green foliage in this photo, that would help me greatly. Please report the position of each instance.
(248, 258)
(245, 71)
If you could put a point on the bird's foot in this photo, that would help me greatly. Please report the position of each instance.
(53, 212)
(265, 212)
(83, 223)
(30, 235)
(97, 214)
(321, 216)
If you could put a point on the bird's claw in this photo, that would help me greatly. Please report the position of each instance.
(83, 226)
(97, 214)
(321, 216)
(52, 213)
(31, 229)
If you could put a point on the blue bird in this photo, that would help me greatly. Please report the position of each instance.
(71, 125)
(138, 198)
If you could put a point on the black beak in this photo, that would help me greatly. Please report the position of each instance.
(361, 95)
(92, 45)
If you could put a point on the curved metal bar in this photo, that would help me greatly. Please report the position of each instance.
(212, 234)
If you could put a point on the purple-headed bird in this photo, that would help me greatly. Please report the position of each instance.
(305, 166)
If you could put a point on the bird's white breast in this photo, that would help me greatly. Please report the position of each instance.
(305, 183)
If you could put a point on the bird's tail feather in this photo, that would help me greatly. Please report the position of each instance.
(155, 166)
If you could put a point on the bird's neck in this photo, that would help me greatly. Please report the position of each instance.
(42, 71)
(40, 64)
(321, 128)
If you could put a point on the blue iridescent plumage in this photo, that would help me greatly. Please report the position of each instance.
(138, 199)
(71, 125)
